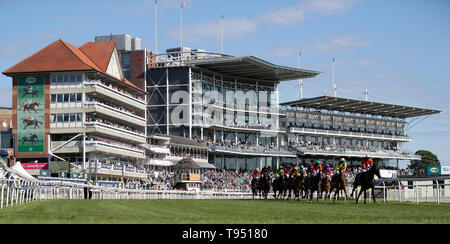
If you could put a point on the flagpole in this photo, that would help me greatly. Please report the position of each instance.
(181, 28)
(221, 32)
(156, 26)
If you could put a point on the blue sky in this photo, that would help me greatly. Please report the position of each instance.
(398, 50)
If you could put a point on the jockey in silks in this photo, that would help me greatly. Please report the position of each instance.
(256, 173)
(341, 164)
(310, 170)
(327, 171)
(367, 163)
(317, 167)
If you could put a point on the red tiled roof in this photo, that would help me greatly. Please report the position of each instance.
(58, 56)
(99, 52)
(62, 56)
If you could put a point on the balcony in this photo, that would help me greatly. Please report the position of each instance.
(117, 170)
(346, 134)
(98, 146)
(123, 116)
(255, 151)
(342, 152)
(108, 93)
(114, 132)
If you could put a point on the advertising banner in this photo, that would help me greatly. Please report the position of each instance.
(433, 170)
(30, 114)
(29, 166)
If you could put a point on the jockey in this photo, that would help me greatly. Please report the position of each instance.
(310, 170)
(327, 171)
(341, 163)
(367, 163)
(317, 167)
(29, 88)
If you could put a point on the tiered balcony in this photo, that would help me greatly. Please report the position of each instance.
(114, 132)
(347, 134)
(125, 117)
(99, 146)
(97, 89)
(342, 152)
(117, 170)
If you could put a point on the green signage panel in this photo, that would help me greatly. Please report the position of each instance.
(30, 114)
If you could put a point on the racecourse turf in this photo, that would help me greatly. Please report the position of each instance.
(222, 212)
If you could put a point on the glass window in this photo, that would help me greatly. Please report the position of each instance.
(66, 78)
(79, 77)
(53, 79)
(53, 98)
(66, 117)
(59, 79)
(79, 97)
(59, 117)
(72, 97)
(52, 118)
(66, 97)
(72, 118)
(79, 116)
(59, 98)
(72, 78)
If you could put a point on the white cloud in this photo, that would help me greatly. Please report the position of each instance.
(297, 13)
(232, 28)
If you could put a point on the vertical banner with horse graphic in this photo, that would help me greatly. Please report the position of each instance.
(30, 114)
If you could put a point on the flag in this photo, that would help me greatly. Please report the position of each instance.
(183, 4)
(299, 54)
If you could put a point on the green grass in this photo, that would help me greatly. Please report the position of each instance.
(222, 212)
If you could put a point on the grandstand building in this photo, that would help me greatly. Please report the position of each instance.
(73, 104)
(232, 104)
(329, 128)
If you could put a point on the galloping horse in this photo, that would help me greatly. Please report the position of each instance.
(31, 138)
(366, 181)
(278, 186)
(313, 185)
(34, 122)
(299, 185)
(29, 106)
(264, 185)
(254, 185)
(339, 183)
(325, 186)
(289, 186)
(28, 92)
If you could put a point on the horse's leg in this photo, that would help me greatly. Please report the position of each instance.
(365, 196)
(373, 194)
(359, 194)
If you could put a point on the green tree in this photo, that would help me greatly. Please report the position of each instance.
(420, 166)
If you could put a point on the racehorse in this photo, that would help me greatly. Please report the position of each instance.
(289, 186)
(264, 185)
(254, 185)
(34, 122)
(366, 181)
(29, 106)
(278, 186)
(338, 183)
(299, 185)
(27, 92)
(325, 186)
(26, 138)
(313, 185)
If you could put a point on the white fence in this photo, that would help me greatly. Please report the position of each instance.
(16, 191)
